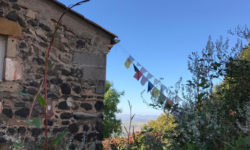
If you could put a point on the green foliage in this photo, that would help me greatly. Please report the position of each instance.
(152, 136)
(41, 100)
(111, 100)
(242, 143)
(214, 118)
(163, 124)
(51, 66)
(150, 140)
(59, 137)
(35, 122)
(17, 145)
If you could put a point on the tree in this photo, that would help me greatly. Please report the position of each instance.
(163, 124)
(154, 134)
(111, 99)
(212, 117)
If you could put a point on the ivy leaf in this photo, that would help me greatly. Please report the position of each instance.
(35, 122)
(41, 100)
(60, 137)
(43, 139)
(51, 66)
(17, 144)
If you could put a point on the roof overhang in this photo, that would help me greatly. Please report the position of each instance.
(84, 18)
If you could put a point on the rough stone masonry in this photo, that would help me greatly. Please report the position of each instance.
(76, 77)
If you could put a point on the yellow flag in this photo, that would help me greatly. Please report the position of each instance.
(155, 93)
(128, 63)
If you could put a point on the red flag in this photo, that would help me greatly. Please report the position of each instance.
(169, 102)
(138, 75)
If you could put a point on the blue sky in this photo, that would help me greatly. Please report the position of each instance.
(159, 34)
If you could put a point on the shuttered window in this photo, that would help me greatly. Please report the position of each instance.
(2, 55)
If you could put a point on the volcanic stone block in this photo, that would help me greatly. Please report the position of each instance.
(15, 6)
(36, 132)
(99, 127)
(78, 137)
(73, 128)
(85, 128)
(66, 115)
(100, 87)
(63, 105)
(8, 112)
(65, 88)
(44, 27)
(22, 112)
(87, 59)
(98, 146)
(12, 16)
(77, 89)
(65, 122)
(2, 140)
(83, 116)
(99, 105)
(56, 81)
(86, 106)
(22, 45)
(94, 73)
(31, 14)
(21, 130)
(15, 17)
(11, 131)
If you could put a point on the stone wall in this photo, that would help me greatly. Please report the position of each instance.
(76, 78)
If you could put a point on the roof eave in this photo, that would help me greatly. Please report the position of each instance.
(84, 18)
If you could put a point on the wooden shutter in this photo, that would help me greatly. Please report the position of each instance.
(2, 55)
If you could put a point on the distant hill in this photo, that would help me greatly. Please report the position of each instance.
(137, 122)
(137, 118)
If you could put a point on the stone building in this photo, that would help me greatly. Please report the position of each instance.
(76, 77)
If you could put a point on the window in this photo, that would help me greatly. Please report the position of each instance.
(2, 55)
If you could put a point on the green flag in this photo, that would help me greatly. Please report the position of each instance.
(162, 98)
(155, 92)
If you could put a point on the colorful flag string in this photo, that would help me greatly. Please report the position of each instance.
(144, 76)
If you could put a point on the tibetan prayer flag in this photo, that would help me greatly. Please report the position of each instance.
(162, 98)
(143, 80)
(150, 86)
(131, 58)
(156, 82)
(168, 104)
(177, 99)
(149, 76)
(168, 101)
(136, 69)
(138, 64)
(143, 70)
(163, 88)
(138, 75)
(155, 92)
(128, 62)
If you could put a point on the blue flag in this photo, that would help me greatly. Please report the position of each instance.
(150, 86)
(135, 68)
